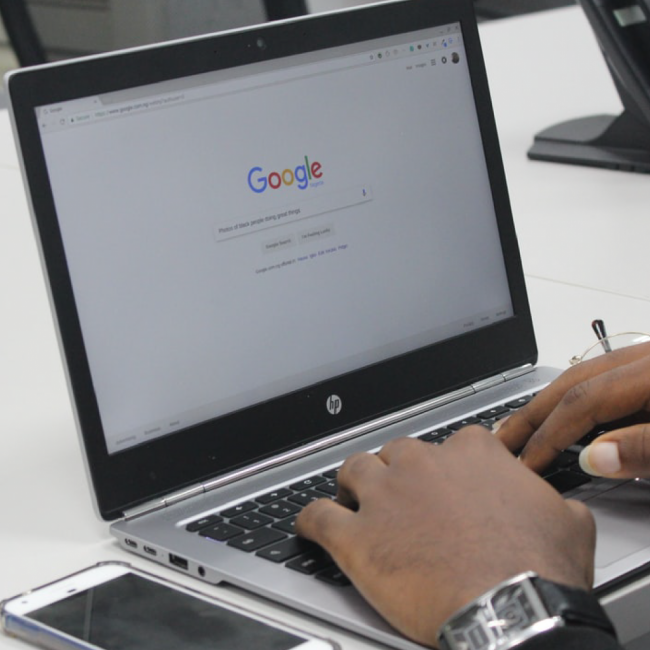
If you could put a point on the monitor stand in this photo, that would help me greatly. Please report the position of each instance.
(613, 142)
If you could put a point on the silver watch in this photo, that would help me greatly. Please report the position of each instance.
(518, 609)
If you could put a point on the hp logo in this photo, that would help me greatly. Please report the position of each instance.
(334, 404)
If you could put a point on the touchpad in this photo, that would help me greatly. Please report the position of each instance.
(622, 521)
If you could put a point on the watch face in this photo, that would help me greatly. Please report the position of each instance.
(513, 609)
(471, 631)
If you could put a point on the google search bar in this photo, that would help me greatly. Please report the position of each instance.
(291, 213)
(126, 109)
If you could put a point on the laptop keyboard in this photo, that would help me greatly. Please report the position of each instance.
(266, 525)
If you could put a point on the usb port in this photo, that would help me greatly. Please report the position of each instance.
(177, 561)
(149, 550)
(130, 542)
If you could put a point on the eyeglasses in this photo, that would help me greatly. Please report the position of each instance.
(607, 343)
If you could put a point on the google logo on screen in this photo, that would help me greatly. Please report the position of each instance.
(301, 176)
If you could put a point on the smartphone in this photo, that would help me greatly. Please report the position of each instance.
(113, 606)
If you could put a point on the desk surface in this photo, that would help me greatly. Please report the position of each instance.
(582, 240)
(576, 225)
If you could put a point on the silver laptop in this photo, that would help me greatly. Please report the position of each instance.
(267, 249)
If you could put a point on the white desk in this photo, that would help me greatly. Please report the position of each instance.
(577, 225)
(581, 232)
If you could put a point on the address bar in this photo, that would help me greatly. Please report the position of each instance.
(213, 89)
(116, 104)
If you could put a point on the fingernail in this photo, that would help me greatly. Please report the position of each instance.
(600, 459)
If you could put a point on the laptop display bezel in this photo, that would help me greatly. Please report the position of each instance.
(127, 479)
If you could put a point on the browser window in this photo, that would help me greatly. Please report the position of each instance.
(235, 237)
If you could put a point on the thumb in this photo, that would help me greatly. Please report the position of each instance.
(624, 453)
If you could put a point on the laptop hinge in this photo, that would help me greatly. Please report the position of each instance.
(484, 384)
(159, 504)
(518, 372)
(490, 382)
(187, 493)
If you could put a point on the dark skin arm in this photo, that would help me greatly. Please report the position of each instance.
(605, 389)
(422, 529)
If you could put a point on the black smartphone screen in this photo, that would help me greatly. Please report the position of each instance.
(131, 612)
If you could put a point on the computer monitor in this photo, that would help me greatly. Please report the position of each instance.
(622, 28)
(68, 28)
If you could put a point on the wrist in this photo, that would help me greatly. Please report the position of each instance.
(519, 609)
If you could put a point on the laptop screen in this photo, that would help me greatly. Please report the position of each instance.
(238, 235)
(262, 241)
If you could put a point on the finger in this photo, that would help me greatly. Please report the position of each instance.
(472, 434)
(517, 429)
(326, 523)
(608, 396)
(395, 449)
(355, 478)
(624, 453)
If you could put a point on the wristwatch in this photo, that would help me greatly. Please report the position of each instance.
(519, 609)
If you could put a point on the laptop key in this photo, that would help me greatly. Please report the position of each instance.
(311, 563)
(204, 522)
(221, 532)
(455, 426)
(519, 402)
(563, 481)
(307, 483)
(251, 520)
(436, 434)
(287, 525)
(496, 412)
(564, 460)
(256, 539)
(281, 509)
(269, 497)
(303, 498)
(239, 509)
(334, 576)
(286, 549)
(330, 487)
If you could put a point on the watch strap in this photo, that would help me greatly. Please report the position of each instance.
(575, 606)
(519, 609)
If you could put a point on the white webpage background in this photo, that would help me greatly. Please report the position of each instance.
(180, 326)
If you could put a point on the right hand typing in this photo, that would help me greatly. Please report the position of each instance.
(595, 392)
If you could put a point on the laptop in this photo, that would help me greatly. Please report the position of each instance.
(267, 249)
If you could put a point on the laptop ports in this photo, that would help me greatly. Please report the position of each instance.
(178, 561)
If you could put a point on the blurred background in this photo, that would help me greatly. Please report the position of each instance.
(32, 31)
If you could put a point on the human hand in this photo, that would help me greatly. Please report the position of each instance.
(421, 529)
(595, 392)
